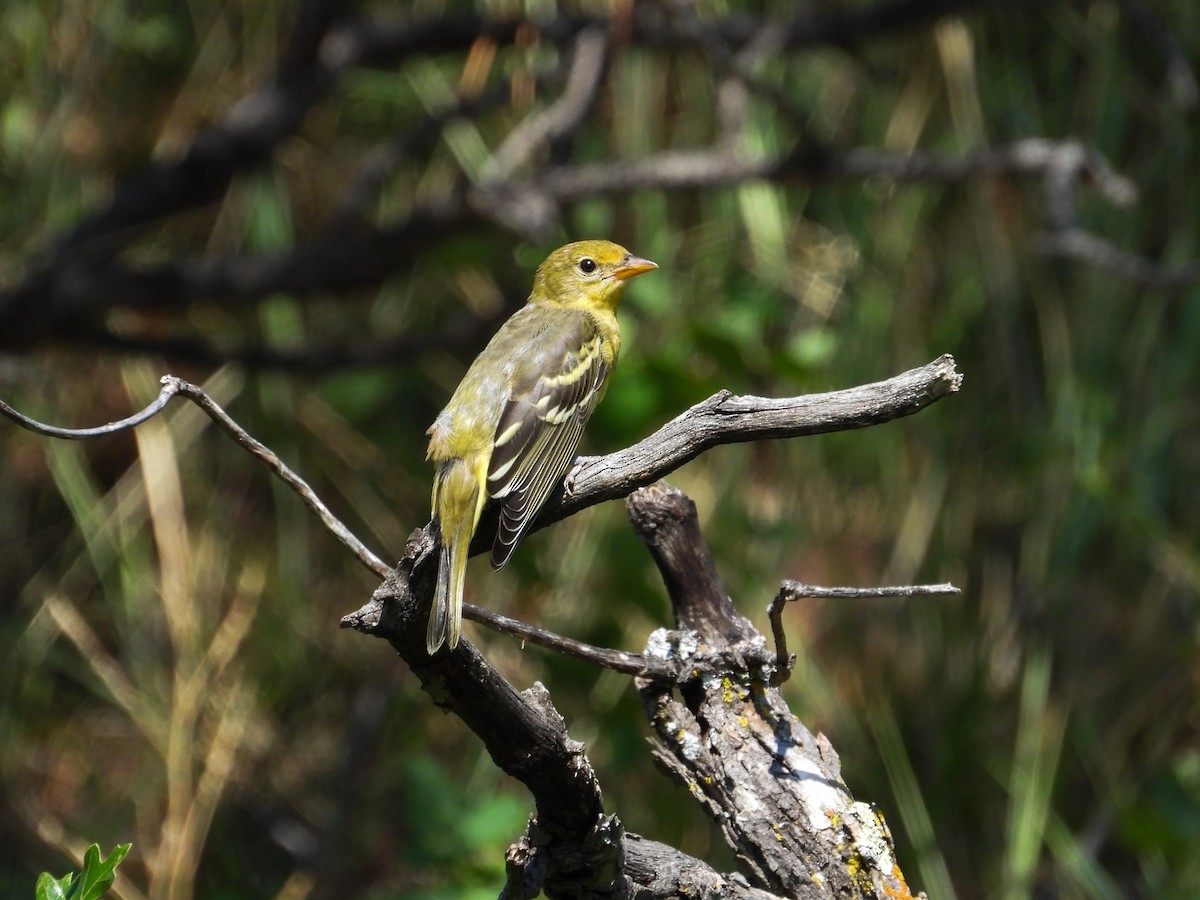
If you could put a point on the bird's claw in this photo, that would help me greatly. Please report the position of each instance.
(569, 481)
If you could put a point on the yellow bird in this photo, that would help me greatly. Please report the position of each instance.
(511, 429)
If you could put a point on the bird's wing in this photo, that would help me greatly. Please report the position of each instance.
(540, 427)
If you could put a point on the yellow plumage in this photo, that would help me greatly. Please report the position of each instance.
(511, 429)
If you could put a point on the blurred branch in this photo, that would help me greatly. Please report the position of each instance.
(381, 160)
(711, 167)
(739, 67)
(347, 257)
(520, 192)
(311, 357)
(1085, 247)
(1181, 76)
(562, 117)
(244, 139)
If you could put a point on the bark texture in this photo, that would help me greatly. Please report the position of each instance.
(774, 788)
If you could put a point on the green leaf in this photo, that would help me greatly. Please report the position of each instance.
(51, 888)
(90, 884)
(98, 874)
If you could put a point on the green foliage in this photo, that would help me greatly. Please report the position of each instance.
(91, 883)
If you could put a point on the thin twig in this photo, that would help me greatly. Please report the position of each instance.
(797, 590)
(532, 213)
(173, 386)
(83, 434)
(617, 660)
(271, 460)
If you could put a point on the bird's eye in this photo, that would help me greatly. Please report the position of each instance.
(587, 265)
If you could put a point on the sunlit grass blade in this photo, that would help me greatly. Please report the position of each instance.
(914, 812)
(1031, 780)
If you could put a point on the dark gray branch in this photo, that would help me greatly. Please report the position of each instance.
(357, 353)
(573, 849)
(1082, 246)
(617, 660)
(347, 256)
(65, 295)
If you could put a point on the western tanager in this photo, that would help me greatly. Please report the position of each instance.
(511, 429)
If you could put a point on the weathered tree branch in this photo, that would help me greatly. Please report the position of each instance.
(523, 733)
(573, 848)
(661, 872)
(774, 789)
(831, 844)
(726, 418)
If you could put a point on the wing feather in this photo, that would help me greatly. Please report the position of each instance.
(539, 431)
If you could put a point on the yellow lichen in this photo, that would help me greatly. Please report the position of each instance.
(859, 873)
(728, 695)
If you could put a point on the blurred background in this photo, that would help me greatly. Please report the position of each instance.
(321, 210)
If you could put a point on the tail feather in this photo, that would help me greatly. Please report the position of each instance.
(445, 618)
(457, 502)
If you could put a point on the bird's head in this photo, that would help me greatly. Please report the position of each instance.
(587, 274)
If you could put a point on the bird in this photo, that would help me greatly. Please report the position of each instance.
(511, 428)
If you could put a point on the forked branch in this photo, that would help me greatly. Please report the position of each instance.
(573, 847)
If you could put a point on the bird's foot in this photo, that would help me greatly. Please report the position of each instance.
(569, 481)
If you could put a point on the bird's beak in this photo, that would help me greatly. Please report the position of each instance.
(632, 265)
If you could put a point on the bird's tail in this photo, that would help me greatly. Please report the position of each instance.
(457, 501)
